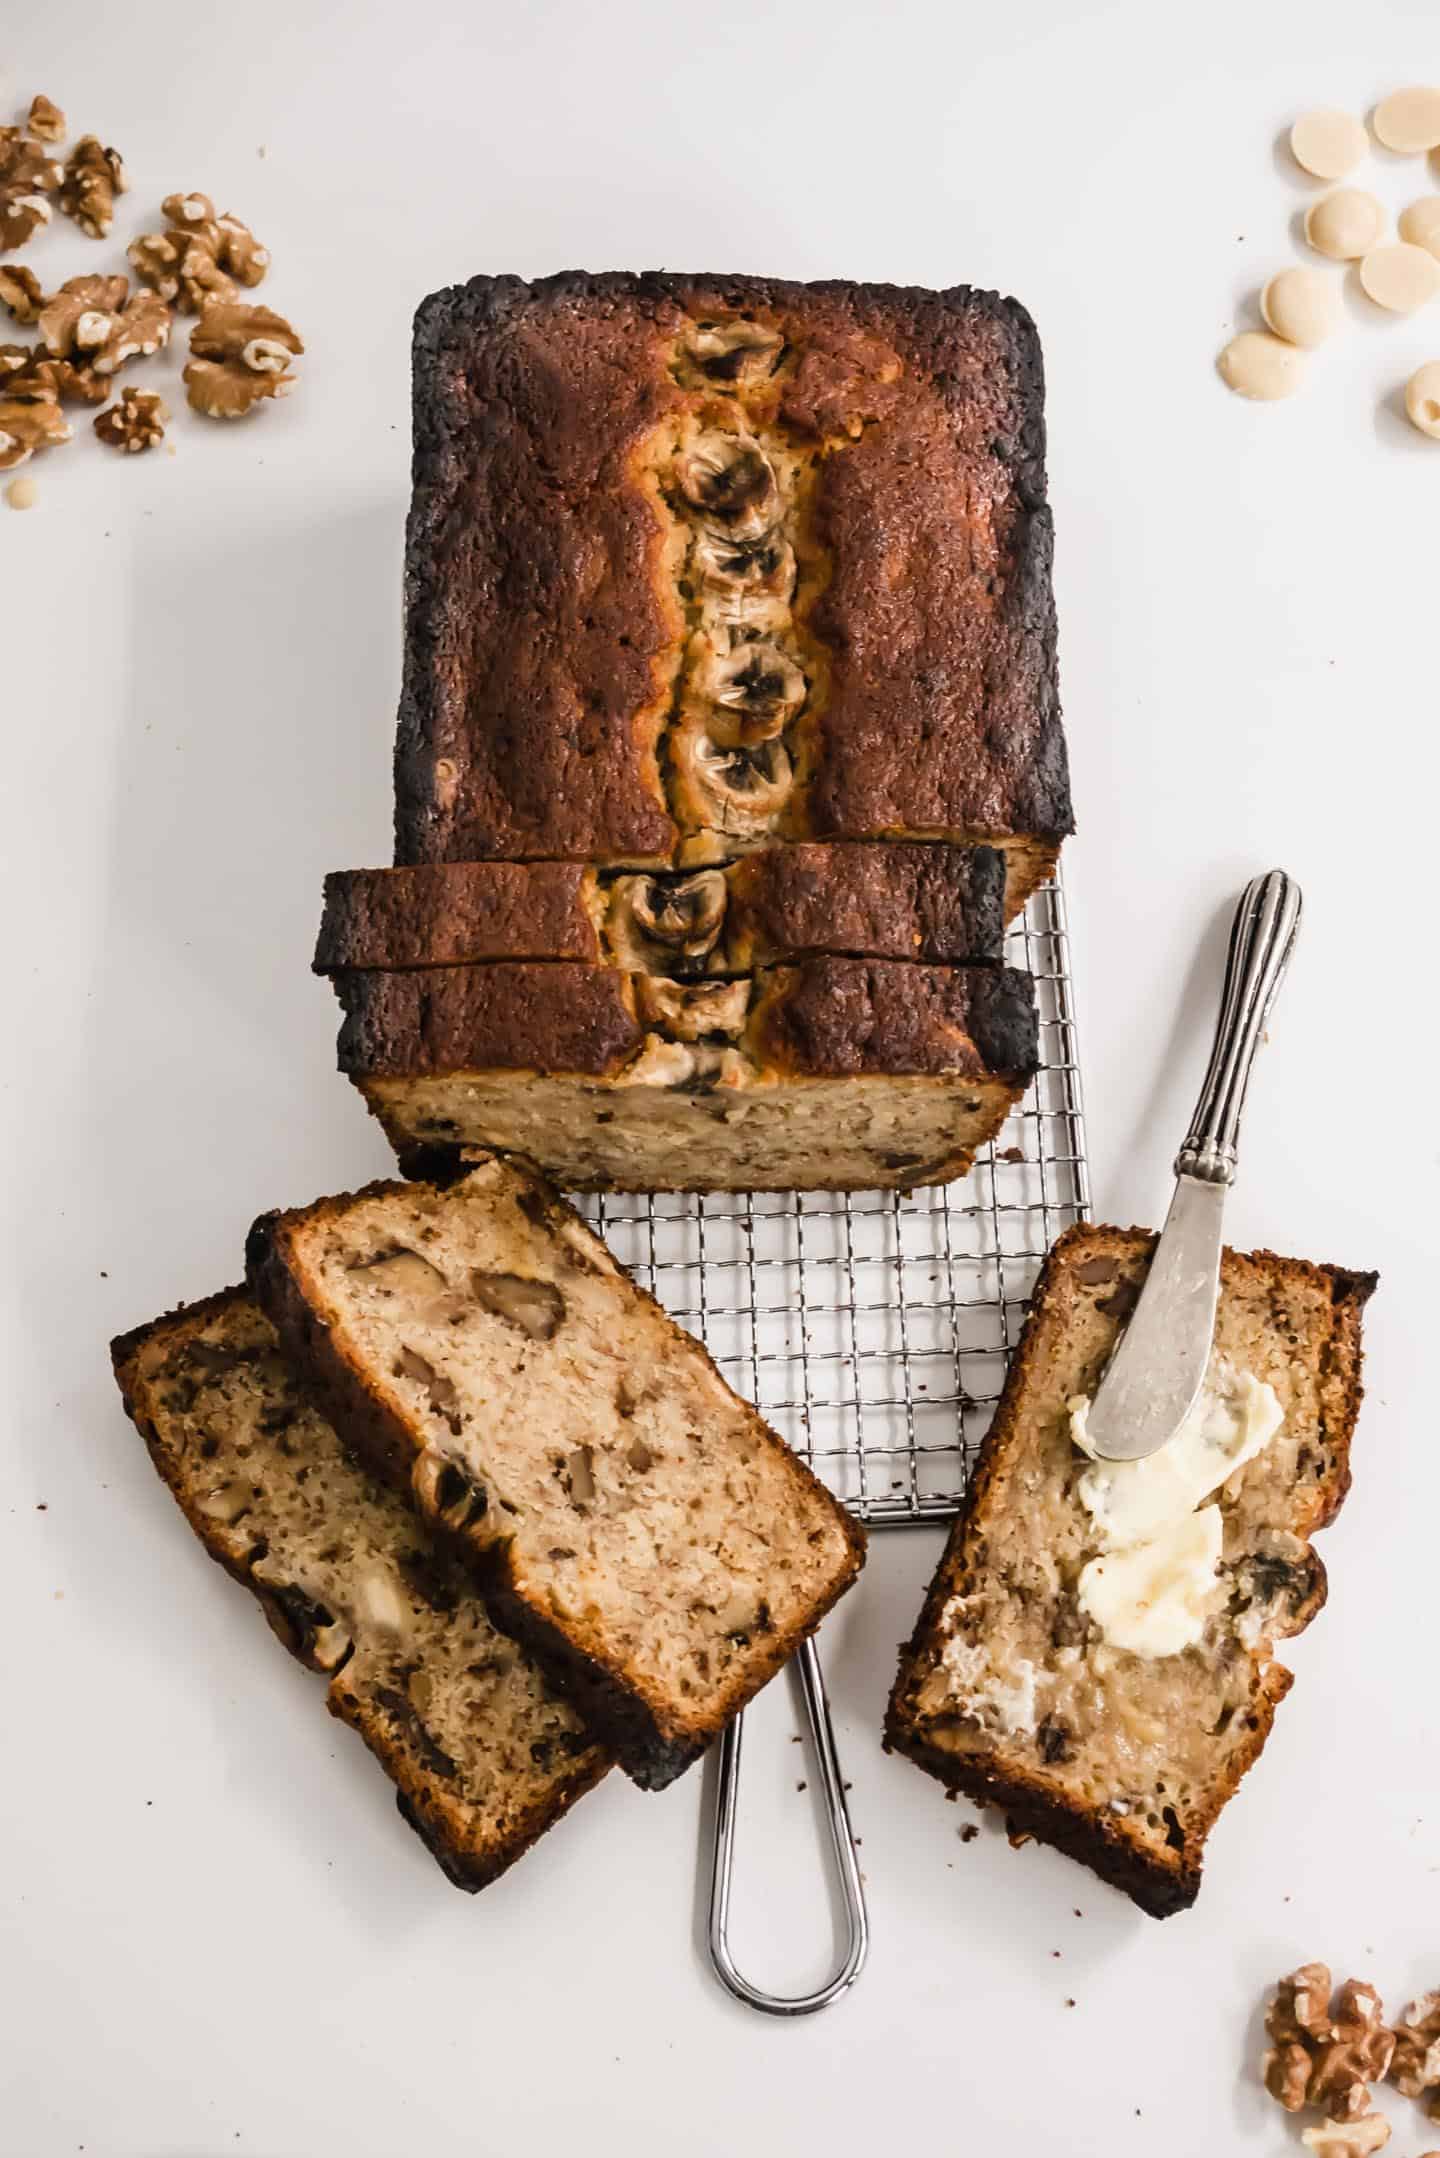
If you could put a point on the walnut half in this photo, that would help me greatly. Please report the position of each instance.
(29, 425)
(1415, 2065)
(94, 176)
(135, 423)
(1326, 2055)
(241, 355)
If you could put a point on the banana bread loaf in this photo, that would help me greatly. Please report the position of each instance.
(832, 1074)
(629, 1518)
(696, 563)
(890, 900)
(484, 1755)
(1096, 1652)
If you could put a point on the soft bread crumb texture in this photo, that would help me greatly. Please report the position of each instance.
(566, 1427)
(1126, 1759)
(861, 1134)
(482, 1748)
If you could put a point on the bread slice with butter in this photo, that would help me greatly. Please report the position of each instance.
(1096, 1651)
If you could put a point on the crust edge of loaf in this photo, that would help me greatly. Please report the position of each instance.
(1034, 1807)
(433, 1816)
(651, 1751)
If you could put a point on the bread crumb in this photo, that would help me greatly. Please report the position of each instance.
(1069, 2004)
(969, 1832)
(802, 1786)
(22, 494)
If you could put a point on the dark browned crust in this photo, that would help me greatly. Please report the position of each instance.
(652, 1748)
(942, 905)
(445, 914)
(819, 1018)
(429, 1811)
(1035, 1805)
(845, 1016)
(520, 1015)
(541, 633)
(885, 899)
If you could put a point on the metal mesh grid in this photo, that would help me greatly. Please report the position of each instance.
(871, 1328)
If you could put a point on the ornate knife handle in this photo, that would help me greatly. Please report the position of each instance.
(1262, 938)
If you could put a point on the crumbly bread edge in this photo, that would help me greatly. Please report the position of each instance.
(435, 1818)
(1031, 1806)
(653, 1747)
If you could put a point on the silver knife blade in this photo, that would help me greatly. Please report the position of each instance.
(1158, 1368)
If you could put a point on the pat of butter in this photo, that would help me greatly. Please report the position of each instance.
(1153, 1587)
(1235, 1416)
(1153, 1598)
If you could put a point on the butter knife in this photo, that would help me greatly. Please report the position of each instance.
(1158, 1365)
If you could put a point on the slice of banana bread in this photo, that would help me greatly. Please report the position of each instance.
(1017, 1687)
(484, 1755)
(832, 1074)
(887, 900)
(630, 1519)
(698, 562)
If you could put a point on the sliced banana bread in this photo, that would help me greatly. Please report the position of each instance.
(483, 1753)
(832, 1074)
(1095, 1654)
(630, 1519)
(889, 900)
(698, 562)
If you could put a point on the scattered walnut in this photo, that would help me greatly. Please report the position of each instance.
(21, 293)
(1415, 2065)
(140, 329)
(28, 175)
(1322, 2055)
(1348, 2139)
(45, 119)
(94, 176)
(81, 315)
(192, 212)
(200, 257)
(29, 426)
(12, 359)
(136, 423)
(240, 252)
(256, 337)
(227, 393)
(45, 380)
(242, 354)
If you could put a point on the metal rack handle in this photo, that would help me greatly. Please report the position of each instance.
(842, 1839)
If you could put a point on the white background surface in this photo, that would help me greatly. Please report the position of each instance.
(214, 1936)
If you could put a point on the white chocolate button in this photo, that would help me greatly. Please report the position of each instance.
(1300, 306)
(1422, 399)
(1420, 224)
(1328, 143)
(1255, 364)
(1401, 277)
(1409, 120)
(1344, 225)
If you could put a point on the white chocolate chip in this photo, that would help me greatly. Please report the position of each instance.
(1344, 225)
(1422, 400)
(23, 494)
(1328, 143)
(1401, 277)
(1255, 364)
(1408, 120)
(1420, 223)
(1300, 306)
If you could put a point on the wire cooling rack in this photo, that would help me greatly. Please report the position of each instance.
(872, 1329)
